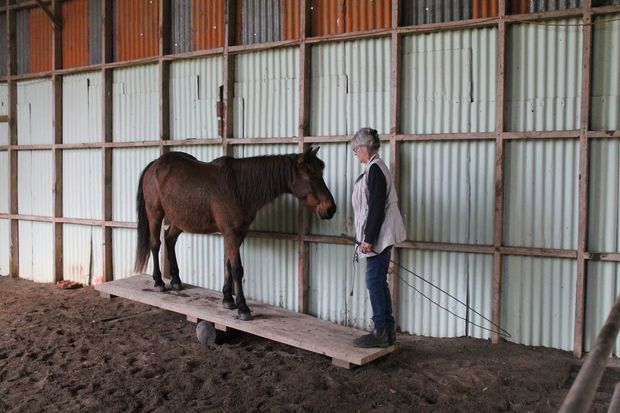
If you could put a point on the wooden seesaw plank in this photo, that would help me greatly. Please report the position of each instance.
(274, 323)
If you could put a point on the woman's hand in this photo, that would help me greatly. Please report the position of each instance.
(365, 248)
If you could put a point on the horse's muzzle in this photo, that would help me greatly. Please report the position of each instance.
(329, 212)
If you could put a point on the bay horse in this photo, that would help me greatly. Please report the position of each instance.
(220, 196)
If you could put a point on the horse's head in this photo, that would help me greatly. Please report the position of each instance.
(308, 184)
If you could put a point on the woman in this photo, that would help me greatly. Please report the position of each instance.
(378, 226)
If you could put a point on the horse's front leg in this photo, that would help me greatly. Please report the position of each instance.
(171, 236)
(234, 271)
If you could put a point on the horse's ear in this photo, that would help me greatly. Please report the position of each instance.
(310, 152)
(314, 151)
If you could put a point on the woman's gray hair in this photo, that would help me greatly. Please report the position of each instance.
(367, 137)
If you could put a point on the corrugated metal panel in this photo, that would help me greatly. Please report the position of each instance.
(180, 27)
(82, 253)
(290, 19)
(205, 153)
(326, 17)
(367, 15)
(480, 295)
(449, 82)
(82, 186)
(3, 45)
(94, 31)
(337, 286)
(135, 94)
(605, 112)
(341, 170)
(267, 94)
(36, 251)
(282, 215)
(5, 247)
(124, 242)
(201, 260)
(4, 111)
(485, 8)
(532, 6)
(81, 107)
(604, 208)
(194, 93)
(136, 24)
(127, 166)
(22, 39)
(74, 33)
(538, 297)
(260, 21)
(448, 191)
(270, 271)
(40, 41)
(35, 123)
(603, 286)
(349, 89)
(34, 183)
(434, 11)
(542, 186)
(4, 182)
(207, 24)
(536, 55)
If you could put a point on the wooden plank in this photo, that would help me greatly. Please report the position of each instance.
(273, 323)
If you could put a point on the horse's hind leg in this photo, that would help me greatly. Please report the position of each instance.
(171, 236)
(154, 244)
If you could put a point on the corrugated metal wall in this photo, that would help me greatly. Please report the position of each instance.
(124, 242)
(5, 246)
(260, 21)
(34, 183)
(602, 288)
(94, 31)
(367, 15)
(207, 24)
(541, 193)
(82, 185)
(267, 94)
(40, 41)
(350, 90)
(4, 182)
(448, 191)
(326, 17)
(74, 33)
(82, 108)
(4, 111)
(35, 123)
(136, 29)
(539, 301)
(484, 8)
(449, 82)
(82, 252)
(543, 76)
(3, 44)
(22, 39)
(604, 208)
(605, 112)
(194, 93)
(290, 19)
(434, 11)
(36, 251)
(532, 6)
(135, 103)
(180, 26)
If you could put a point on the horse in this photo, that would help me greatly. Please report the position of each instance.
(220, 196)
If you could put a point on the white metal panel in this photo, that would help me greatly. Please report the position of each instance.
(205, 153)
(448, 271)
(36, 251)
(604, 209)
(35, 121)
(4, 133)
(82, 186)
(480, 295)
(270, 271)
(605, 103)
(541, 188)
(349, 89)
(602, 289)
(282, 214)
(194, 93)
(449, 81)
(538, 297)
(5, 170)
(124, 243)
(201, 260)
(543, 76)
(5, 247)
(135, 94)
(337, 290)
(82, 253)
(127, 166)
(82, 108)
(448, 191)
(267, 92)
(35, 184)
(341, 170)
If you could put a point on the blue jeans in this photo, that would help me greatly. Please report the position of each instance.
(376, 282)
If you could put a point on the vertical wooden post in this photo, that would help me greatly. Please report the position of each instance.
(107, 79)
(229, 76)
(57, 153)
(12, 153)
(164, 104)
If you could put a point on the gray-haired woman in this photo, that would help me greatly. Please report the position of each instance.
(378, 226)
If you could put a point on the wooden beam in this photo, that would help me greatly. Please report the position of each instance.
(106, 231)
(57, 178)
(56, 23)
(229, 76)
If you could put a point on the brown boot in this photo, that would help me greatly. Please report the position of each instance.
(377, 338)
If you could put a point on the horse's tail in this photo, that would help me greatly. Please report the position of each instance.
(142, 251)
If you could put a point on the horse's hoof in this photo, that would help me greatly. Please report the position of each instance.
(245, 316)
(160, 288)
(176, 287)
(229, 305)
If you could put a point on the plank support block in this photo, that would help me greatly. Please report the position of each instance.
(106, 295)
(341, 363)
(192, 319)
(221, 327)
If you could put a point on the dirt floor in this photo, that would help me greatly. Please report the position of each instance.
(70, 351)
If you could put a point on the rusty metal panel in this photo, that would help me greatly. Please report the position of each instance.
(124, 243)
(326, 17)
(22, 39)
(5, 247)
(605, 112)
(207, 24)
(434, 11)
(290, 19)
(604, 208)
(180, 27)
(538, 301)
(82, 253)
(35, 122)
(3, 45)
(136, 29)
(82, 184)
(603, 286)
(94, 32)
(4, 111)
(34, 183)
(363, 15)
(36, 251)
(4, 182)
(543, 76)
(74, 33)
(81, 108)
(260, 21)
(194, 93)
(484, 8)
(40, 41)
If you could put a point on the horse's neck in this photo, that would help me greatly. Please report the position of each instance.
(261, 180)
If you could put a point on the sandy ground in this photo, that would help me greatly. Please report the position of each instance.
(70, 351)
